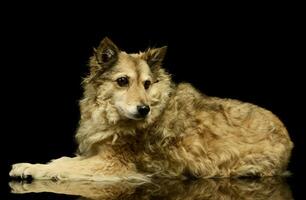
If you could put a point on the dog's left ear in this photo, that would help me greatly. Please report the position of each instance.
(155, 57)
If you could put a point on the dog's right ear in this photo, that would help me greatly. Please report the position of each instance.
(106, 55)
(107, 52)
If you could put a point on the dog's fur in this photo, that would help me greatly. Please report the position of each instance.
(185, 134)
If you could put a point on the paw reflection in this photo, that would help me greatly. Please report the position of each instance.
(212, 189)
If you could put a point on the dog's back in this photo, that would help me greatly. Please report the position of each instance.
(207, 137)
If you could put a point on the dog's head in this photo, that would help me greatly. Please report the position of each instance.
(134, 86)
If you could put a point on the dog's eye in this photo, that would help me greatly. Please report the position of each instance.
(122, 81)
(147, 84)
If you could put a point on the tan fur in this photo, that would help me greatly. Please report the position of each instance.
(185, 134)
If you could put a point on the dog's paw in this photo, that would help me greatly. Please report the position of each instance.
(36, 171)
(22, 170)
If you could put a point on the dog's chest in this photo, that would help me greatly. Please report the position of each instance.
(150, 151)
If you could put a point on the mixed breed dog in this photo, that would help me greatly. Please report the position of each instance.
(137, 124)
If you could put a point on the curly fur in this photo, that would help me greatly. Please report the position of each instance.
(185, 134)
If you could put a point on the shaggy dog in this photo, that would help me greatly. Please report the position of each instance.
(135, 123)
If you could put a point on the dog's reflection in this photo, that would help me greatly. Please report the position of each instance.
(210, 189)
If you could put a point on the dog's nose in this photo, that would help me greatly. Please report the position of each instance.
(143, 110)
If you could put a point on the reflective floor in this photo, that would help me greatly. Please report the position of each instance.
(210, 189)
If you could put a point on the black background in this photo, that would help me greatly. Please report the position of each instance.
(254, 55)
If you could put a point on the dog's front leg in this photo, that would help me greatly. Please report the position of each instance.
(62, 168)
(78, 168)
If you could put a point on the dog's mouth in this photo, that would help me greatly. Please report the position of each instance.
(136, 117)
(131, 116)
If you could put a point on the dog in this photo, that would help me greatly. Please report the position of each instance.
(136, 123)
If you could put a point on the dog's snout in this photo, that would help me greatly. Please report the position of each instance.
(143, 110)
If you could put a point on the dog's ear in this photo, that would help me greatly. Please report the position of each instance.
(155, 57)
(107, 53)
